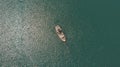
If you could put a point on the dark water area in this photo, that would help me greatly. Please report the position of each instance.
(28, 37)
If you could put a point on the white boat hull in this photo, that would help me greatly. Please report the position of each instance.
(60, 34)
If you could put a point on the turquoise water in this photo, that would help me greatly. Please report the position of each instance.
(28, 38)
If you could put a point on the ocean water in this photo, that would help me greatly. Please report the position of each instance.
(28, 37)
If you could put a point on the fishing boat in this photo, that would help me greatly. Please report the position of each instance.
(60, 33)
